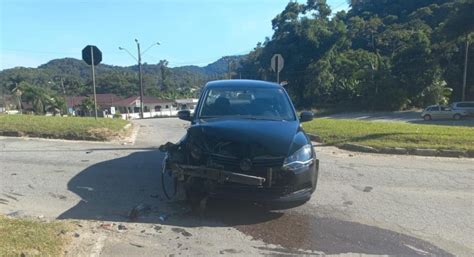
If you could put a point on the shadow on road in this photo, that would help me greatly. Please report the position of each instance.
(110, 189)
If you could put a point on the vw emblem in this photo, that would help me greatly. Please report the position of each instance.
(246, 164)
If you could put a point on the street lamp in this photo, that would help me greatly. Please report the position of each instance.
(140, 73)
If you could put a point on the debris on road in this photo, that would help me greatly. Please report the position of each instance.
(86, 188)
(137, 245)
(164, 217)
(367, 189)
(182, 231)
(107, 226)
(139, 210)
(121, 227)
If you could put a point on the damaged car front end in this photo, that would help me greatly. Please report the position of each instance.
(245, 143)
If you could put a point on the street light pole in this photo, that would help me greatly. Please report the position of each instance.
(140, 77)
(140, 72)
(464, 78)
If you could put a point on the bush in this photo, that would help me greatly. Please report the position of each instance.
(117, 115)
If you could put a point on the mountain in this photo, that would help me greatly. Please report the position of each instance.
(74, 77)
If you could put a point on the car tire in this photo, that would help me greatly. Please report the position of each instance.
(427, 117)
(457, 116)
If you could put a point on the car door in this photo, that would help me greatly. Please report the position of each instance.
(435, 112)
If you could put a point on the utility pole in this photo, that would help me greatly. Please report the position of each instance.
(140, 77)
(93, 82)
(464, 79)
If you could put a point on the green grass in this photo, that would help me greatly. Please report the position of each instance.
(77, 128)
(392, 134)
(32, 238)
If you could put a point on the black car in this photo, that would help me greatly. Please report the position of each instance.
(245, 142)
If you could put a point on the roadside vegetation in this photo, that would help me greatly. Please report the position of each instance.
(391, 134)
(73, 128)
(20, 237)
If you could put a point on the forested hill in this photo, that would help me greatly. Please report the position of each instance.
(381, 54)
(159, 79)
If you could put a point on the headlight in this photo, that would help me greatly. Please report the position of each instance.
(299, 159)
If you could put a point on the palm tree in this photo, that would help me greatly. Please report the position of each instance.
(87, 105)
(18, 92)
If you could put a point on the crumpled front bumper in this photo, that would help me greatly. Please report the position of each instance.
(296, 189)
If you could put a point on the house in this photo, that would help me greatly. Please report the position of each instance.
(73, 104)
(104, 103)
(130, 107)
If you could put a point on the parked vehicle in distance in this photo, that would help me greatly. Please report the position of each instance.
(245, 142)
(442, 112)
(464, 106)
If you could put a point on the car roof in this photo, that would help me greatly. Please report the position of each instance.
(241, 83)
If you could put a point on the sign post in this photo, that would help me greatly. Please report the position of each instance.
(277, 64)
(92, 56)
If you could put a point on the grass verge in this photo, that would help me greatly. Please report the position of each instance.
(20, 237)
(392, 134)
(74, 128)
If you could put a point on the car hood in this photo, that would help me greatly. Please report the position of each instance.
(274, 138)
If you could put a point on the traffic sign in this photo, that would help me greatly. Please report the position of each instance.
(277, 63)
(91, 54)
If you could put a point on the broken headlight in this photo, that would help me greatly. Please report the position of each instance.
(196, 152)
(301, 158)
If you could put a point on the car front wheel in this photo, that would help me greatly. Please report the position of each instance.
(457, 116)
(427, 117)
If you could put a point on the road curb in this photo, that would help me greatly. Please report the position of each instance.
(315, 138)
(400, 150)
(130, 139)
(359, 148)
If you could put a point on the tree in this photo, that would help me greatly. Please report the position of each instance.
(461, 24)
(87, 106)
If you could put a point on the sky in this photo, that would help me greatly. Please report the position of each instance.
(190, 32)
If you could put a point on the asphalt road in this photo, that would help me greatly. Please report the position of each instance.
(365, 204)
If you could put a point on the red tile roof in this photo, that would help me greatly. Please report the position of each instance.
(73, 101)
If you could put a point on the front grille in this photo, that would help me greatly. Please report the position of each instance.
(267, 162)
(258, 162)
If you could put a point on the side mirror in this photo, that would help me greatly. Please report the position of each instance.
(306, 116)
(184, 115)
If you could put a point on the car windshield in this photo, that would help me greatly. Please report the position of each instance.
(252, 103)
